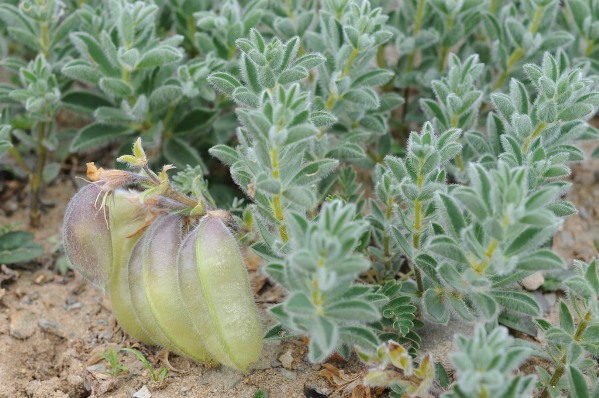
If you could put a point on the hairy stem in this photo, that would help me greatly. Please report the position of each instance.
(14, 152)
(519, 52)
(559, 371)
(276, 200)
(534, 135)
(36, 178)
(445, 50)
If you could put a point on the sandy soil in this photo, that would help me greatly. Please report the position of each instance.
(53, 327)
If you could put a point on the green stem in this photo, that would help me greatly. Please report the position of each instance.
(416, 236)
(19, 159)
(493, 7)
(559, 371)
(417, 27)
(168, 118)
(534, 135)
(350, 61)
(276, 201)
(519, 52)
(381, 61)
(445, 50)
(179, 197)
(412, 55)
(386, 237)
(36, 178)
(589, 49)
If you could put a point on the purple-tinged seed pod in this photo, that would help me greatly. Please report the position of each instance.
(216, 292)
(86, 236)
(160, 289)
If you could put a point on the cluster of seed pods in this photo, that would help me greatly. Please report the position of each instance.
(175, 283)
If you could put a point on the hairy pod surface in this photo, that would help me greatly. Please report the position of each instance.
(87, 241)
(127, 218)
(159, 287)
(216, 292)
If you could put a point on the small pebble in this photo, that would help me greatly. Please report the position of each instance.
(286, 359)
(143, 393)
(51, 327)
(22, 324)
(97, 368)
(316, 367)
(534, 281)
(288, 374)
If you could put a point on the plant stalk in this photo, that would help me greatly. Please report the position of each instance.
(519, 52)
(559, 371)
(36, 178)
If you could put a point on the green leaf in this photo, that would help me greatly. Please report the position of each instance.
(364, 96)
(566, 321)
(325, 338)
(158, 57)
(50, 172)
(292, 75)
(98, 134)
(576, 112)
(359, 336)
(165, 96)
(115, 87)
(196, 120)
(433, 111)
(434, 306)
(278, 332)
(225, 154)
(224, 82)
(18, 247)
(578, 384)
(352, 310)
(373, 78)
(591, 276)
(88, 46)
(517, 301)
(85, 102)
(530, 238)
(181, 154)
(451, 212)
(82, 71)
(540, 260)
(69, 24)
(310, 61)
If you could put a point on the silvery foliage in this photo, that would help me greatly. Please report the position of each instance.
(472, 242)
(325, 302)
(485, 365)
(295, 129)
(297, 98)
(573, 345)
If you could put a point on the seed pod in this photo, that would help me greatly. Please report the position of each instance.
(216, 292)
(127, 219)
(154, 287)
(86, 237)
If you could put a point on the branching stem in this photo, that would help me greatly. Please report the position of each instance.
(559, 371)
(519, 52)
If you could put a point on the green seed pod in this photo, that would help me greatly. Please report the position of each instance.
(154, 287)
(86, 237)
(127, 218)
(216, 292)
